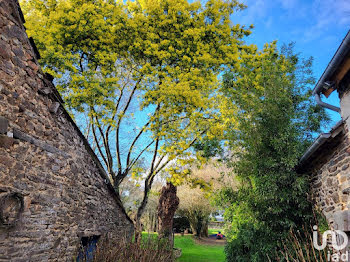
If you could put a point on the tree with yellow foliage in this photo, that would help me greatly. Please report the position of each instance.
(205, 182)
(144, 73)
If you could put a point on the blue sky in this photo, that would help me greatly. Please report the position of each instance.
(316, 26)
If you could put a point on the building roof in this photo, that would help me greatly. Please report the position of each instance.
(335, 72)
(336, 69)
(324, 143)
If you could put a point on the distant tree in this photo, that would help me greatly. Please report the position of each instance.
(144, 73)
(195, 205)
(209, 148)
(131, 193)
(196, 192)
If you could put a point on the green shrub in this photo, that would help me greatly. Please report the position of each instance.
(277, 119)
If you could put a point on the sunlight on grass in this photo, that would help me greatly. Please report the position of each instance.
(212, 231)
(192, 252)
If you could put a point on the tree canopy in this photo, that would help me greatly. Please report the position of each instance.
(144, 74)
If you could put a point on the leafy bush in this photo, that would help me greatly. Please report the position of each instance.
(181, 223)
(277, 119)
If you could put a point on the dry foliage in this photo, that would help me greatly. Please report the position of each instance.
(150, 250)
(299, 247)
(217, 174)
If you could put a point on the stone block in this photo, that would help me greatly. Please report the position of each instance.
(328, 209)
(5, 160)
(335, 197)
(18, 134)
(343, 179)
(4, 124)
(336, 172)
(54, 107)
(6, 142)
(330, 182)
(344, 198)
(342, 220)
(332, 169)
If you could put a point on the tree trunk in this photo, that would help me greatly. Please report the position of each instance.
(199, 224)
(140, 210)
(168, 203)
(138, 231)
(204, 231)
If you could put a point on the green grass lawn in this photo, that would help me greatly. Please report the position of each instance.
(192, 252)
(214, 231)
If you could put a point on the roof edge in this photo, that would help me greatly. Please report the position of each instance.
(333, 64)
(320, 140)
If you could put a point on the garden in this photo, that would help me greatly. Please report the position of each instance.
(189, 119)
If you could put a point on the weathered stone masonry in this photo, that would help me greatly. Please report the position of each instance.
(53, 190)
(330, 180)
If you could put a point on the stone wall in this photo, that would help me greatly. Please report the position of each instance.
(53, 190)
(330, 179)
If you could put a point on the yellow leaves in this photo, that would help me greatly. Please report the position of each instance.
(100, 46)
(186, 59)
(149, 4)
(194, 33)
(137, 173)
(177, 175)
(216, 131)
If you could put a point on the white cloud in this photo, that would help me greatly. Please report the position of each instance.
(314, 19)
(342, 8)
(326, 15)
(256, 9)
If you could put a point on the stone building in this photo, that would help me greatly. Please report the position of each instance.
(327, 161)
(54, 193)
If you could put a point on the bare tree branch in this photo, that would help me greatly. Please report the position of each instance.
(106, 146)
(98, 144)
(118, 125)
(139, 155)
(134, 142)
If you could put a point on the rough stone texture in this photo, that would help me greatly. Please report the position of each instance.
(168, 203)
(45, 159)
(330, 175)
(3, 125)
(329, 170)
